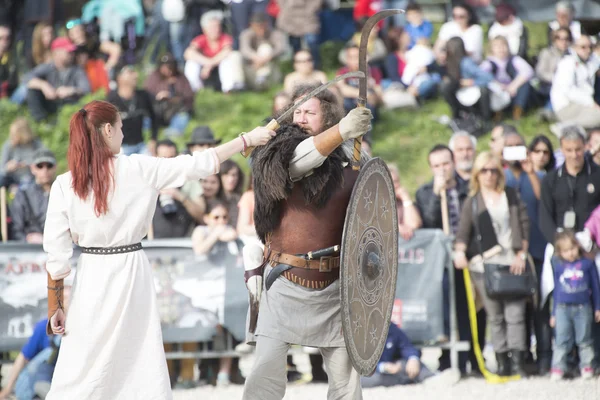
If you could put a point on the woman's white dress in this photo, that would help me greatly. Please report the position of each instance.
(113, 349)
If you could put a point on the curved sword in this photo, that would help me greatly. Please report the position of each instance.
(274, 123)
(362, 66)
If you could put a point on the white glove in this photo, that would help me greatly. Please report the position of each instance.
(253, 257)
(356, 123)
(585, 240)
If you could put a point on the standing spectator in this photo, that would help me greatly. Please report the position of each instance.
(511, 27)
(300, 20)
(232, 181)
(243, 13)
(158, 30)
(463, 145)
(464, 25)
(527, 182)
(29, 207)
(174, 216)
(34, 12)
(304, 72)
(57, 83)
(261, 47)
(464, 74)
(592, 146)
(210, 59)
(565, 19)
(18, 153)
(409, 219)
(512, 72)
(135, 107)
(542, 154)
(497, 136)
(280, 102)
(9, 74)
(572, 92)
(173, 12)
(349, 87)
(502, 220)
(429, 203)
(245, 224)
(546, 67)
(573, 314)
(417, 27)
(173, 96)
(399, 364)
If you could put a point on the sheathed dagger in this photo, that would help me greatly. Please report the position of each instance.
(363, 67)
(274, 123)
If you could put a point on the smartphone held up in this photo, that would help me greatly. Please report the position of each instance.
(514, 153)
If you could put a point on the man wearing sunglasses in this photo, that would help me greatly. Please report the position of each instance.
(28, 209)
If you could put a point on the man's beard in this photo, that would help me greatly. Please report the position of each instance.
(465, 166)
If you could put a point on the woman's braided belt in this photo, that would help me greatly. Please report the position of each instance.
(112, 250)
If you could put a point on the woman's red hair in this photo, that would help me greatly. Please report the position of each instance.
(89, 155)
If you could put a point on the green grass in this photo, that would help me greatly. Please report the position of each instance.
(401, 136)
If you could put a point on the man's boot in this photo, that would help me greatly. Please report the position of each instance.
(503, 365)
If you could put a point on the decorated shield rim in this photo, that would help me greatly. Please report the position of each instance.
(366, 367)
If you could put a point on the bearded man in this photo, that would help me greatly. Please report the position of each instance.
(302, 185)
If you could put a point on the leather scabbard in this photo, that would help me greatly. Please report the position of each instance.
(55, 299)
(274, 274)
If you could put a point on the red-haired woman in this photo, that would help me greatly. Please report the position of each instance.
(112, 346)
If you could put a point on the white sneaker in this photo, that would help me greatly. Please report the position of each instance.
(223, 379)
(587, 373)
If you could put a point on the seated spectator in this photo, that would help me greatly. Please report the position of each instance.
(18, 153)
(513, 74)
(542, 154)
(210, 59)
(565, 14)
(464, 25)
(417, 27)
(33, 368)
(464, 73)
(546, 67)
(304, 72)
(41, 42)
(511, 27)
(9, 74)
(409, 219)
(349, 87)
(232, 181)
(28, 209)
(90, 55)
(395, 94)
(57, 83)
(572, 93)
(173, 96)
(421, 83)
(280, 102)
(376, 47)
(135, 108)
(399, 364)
(174, 216)
(261, 48)
(301, 21)
(364, 9)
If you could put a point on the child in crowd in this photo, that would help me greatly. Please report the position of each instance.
(416, 26)
(575, 278)
(217, 228)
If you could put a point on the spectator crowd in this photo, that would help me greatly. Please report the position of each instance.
(537, 209)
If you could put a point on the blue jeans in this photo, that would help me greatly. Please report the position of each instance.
(573, 326)
(429, 88)
(158, 29)
(178, 124)
(176, 38)
(312, 41)
(129, 149)
(19, 96)
(398, 19)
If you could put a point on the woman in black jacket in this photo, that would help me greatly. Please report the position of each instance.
(502, 220)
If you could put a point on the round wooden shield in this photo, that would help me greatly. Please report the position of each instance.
(369, 265)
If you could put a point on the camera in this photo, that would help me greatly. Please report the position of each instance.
(167, 204)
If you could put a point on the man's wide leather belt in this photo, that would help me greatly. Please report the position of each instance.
(311, 274)
(323, 264)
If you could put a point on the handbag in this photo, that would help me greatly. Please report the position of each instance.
(500, 284)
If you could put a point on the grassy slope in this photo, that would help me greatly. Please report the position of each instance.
(401, 136)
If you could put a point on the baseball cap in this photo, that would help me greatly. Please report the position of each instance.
(44, 156)
(63, 43)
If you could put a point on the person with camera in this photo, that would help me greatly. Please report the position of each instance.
(494, 231)
(176, 213)
(521, 176)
